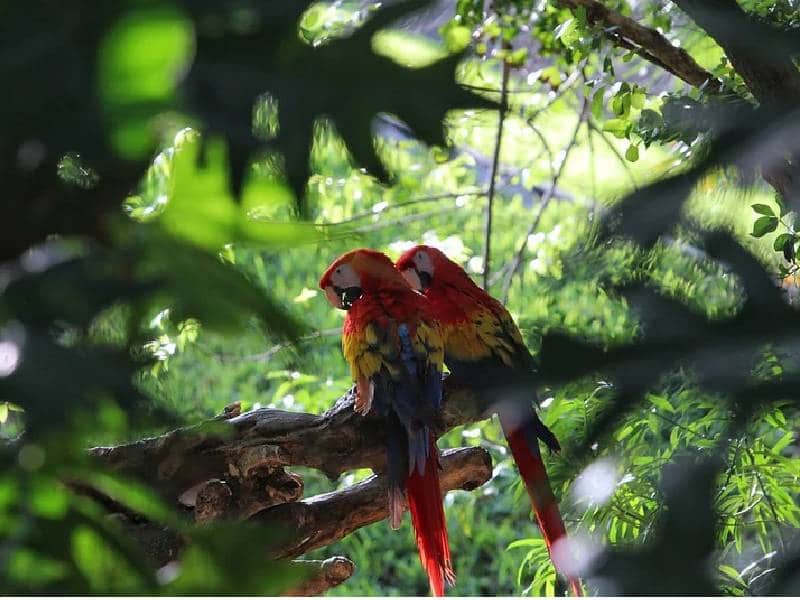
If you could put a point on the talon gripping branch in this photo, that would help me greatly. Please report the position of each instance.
(394, 349)
(484, 349)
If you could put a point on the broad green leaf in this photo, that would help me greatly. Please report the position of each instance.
(307, 82)
(763, 209)
(764, 225)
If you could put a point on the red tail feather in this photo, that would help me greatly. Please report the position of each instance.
(430, 527)
(533, 473)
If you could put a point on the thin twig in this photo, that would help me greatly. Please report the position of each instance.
(593, 128)
(731, 468)
(267, 355)
(487, 244)
(481, 88)
(548, 195)
(421, 200)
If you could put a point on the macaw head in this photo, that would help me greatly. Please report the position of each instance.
(425, 267)
(358, 272)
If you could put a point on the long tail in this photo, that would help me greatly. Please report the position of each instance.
(430, 527)
(523, 439)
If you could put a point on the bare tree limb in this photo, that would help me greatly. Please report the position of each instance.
(644, 41)
(326, 574)
(518, 256)
(487, 239)
(326, 518)
(267, 439)
(322, 519)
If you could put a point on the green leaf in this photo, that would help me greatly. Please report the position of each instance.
(732, 574)
(308, 82)
(101, 565)
(619, 127)
(661, 402)
(457, 38)
(142, 57)
(637, 99)
(764, 225)
(763, 209)
(202, 211)
(781, 241)
(624, 432)
(598, 103)
(785, 440)
(565, 31)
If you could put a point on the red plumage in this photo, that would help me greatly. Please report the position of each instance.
(484, 347)
(430, 527)
(394, 348)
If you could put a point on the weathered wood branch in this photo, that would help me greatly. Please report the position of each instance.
(267, 439)
(327, 573)
(644, 41)
(326, 518)
(314, 522)
(233, 467)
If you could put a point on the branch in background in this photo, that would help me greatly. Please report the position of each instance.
(422, 200)
(767, 69)
(644, 41)
(518, 257)
(487, 243)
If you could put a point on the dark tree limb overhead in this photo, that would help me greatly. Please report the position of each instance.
(644, 41)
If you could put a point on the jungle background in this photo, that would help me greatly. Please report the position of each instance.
(177, 175)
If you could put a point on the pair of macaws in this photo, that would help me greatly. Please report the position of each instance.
(404, 321)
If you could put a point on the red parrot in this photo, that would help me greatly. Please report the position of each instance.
(484, 348)
(394, 349)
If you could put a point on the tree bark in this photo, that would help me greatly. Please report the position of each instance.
(763, 56)
(263, 440)
(644, 41)
(233, 467)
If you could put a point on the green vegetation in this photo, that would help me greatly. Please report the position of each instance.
(132, 312)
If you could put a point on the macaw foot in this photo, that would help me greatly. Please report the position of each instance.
(365, 389)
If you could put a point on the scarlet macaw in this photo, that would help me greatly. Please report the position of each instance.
(484, 348)
(394, 348)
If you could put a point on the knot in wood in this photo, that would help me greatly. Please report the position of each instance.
(213, 501)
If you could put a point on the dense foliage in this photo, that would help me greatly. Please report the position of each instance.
(178, 174)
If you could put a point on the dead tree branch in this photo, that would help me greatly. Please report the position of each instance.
(325, 575)
(267, 439)
(233, 467)
(327, 518)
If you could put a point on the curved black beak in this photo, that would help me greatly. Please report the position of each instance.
(425, 278)
(348, 295)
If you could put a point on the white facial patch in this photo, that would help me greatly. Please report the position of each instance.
(423, 262)
(344, 276)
